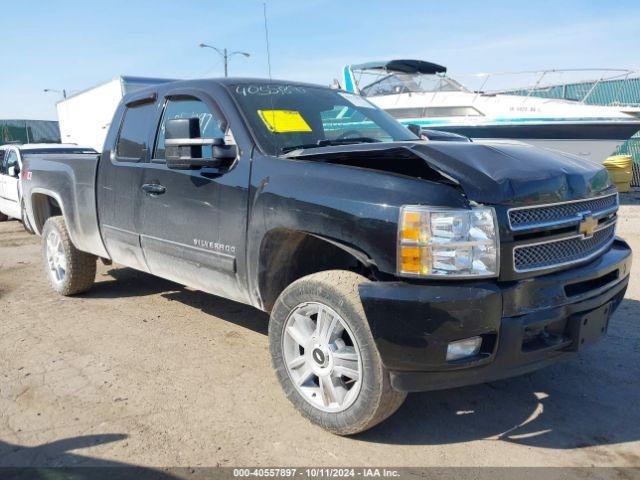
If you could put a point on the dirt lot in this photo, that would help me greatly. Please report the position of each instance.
(142, 371)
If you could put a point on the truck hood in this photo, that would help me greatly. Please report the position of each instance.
(500, 174)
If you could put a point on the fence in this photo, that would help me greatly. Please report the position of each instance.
(632, 147)
(29, 131)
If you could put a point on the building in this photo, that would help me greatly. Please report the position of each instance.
(29, 131)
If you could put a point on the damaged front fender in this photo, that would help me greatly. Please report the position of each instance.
(353, 208)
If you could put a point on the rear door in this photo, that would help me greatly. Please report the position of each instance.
(120, 180)
(193, 232)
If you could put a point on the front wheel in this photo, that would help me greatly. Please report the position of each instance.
(325, 357)
(69, 270)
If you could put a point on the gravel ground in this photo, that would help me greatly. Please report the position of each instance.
(141, 371)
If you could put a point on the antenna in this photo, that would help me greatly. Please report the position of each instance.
(266, 36)
(276, 140)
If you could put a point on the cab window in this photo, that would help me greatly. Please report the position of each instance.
(210, 124)
(132, 141)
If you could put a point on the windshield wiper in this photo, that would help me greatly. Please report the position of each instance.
(328, 142)
(298, 147)
(347, 141)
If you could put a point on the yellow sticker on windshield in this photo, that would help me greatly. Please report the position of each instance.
(284, 121)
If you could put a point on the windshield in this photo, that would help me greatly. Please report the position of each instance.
(395, 83)
(286, 117)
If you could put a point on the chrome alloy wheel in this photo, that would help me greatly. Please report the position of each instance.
(322, 357)
(56, 258)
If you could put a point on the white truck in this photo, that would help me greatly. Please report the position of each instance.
(12, 172)
(85, 116)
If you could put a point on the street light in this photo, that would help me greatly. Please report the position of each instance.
(63, 92)
(224, 54)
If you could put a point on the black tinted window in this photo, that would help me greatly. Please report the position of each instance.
(189, 108)
(132, 143)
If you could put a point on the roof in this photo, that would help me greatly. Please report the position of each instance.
(203, 82)
(402, 66)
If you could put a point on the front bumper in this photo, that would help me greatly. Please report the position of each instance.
(525, 325)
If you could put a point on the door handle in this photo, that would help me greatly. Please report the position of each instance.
(154, 188)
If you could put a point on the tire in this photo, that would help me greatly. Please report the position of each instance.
(3, 217)
(68, 270)
(334, 295)
(25, 219)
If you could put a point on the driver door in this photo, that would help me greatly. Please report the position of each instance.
(194, 221)
(10, 195)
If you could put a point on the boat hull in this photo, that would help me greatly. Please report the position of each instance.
(594, 150)
(593, 141)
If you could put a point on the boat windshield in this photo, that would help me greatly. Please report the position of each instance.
(396, 83)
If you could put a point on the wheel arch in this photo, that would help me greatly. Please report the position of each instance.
(44, 205)
(81, 220)
(285, 255)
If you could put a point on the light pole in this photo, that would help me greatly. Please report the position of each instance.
(225, 55)
(63, 92)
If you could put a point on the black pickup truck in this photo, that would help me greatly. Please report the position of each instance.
(389, 264)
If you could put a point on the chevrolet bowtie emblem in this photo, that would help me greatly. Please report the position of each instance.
(588, 225)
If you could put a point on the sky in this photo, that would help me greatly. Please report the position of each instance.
(76, 44)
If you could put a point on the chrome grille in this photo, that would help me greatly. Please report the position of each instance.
(547, 215)
(556, 253)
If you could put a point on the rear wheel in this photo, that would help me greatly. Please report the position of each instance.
(25, 219)
(325, 357)
(69, 270)
(3, 217)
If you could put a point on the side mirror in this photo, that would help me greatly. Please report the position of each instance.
(415, 129)
(183, 146)
(13, 171)
(437, 135)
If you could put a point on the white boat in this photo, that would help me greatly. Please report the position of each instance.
(420, 93)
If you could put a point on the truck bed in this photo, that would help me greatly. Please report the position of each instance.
(71, 180)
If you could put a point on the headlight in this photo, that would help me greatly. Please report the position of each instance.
(435, 242)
